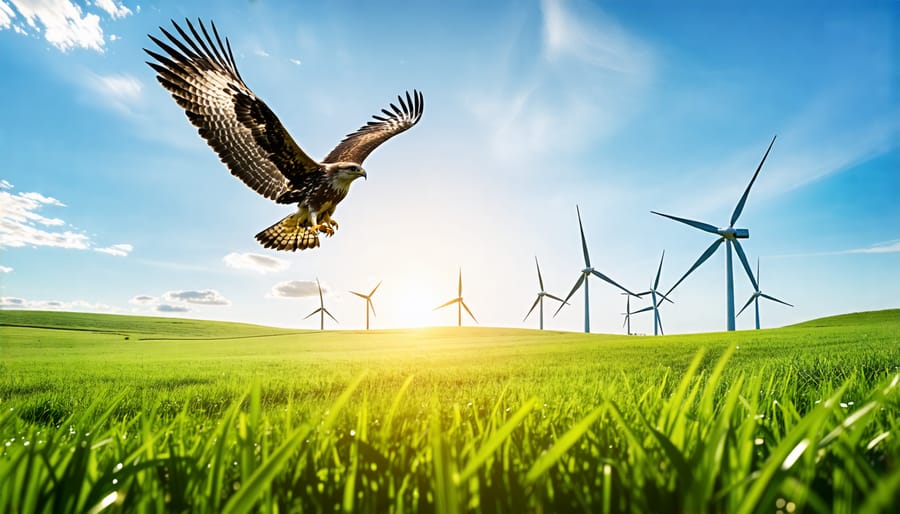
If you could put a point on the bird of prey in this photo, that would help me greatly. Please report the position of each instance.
(202, 77)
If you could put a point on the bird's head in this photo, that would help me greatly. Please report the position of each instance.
(344, 173)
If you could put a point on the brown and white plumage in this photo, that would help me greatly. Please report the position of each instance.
(201, 74)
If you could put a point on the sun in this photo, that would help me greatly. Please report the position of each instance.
(409, 306)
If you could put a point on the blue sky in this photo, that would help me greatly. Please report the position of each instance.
(111, 202)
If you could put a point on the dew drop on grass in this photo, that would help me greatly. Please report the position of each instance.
(843, 405)
(780, 503)
(758, 441)
(353, 433)
(790, 507)
(119, 467)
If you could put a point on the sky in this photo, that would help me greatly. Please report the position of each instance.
(111, 202)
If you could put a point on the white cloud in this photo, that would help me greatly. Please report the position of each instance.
(119, 91)
(878, 248)
(262, 53)
(255, 262)
(142, 299)
(296, 289)
(21, 225)
(202, 297)
(115, 10)
(5, 269)
(11, 302)
(64, 23)
(295, 61)
(171, 308)
(6, 15)
(118, 250)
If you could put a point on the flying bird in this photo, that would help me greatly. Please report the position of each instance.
(201, 75)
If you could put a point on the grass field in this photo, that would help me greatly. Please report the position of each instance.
(113, 413)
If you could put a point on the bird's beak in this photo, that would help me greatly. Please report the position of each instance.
(362, 173)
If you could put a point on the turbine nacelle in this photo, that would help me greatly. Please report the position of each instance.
(587, 271)
(732, 233)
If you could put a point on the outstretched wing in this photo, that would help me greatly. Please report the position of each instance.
(248, 137)
(358, 145)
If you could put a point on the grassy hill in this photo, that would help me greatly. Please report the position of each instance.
(210, 416)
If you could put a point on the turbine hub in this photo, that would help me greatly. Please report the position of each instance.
(732, 233)
(542, 293)
(587, 271)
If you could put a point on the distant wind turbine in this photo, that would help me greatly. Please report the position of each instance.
(369, 304)
(460, 304)
(322, 311)
(540, 296)
(582, 278)
(627, 313)
(756, 296)
(656, 298)
(729, 235)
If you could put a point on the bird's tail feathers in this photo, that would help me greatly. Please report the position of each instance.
(289, 235)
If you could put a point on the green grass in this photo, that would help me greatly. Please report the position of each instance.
(133, 414)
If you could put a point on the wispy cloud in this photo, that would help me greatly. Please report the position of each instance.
(113, 8)
(22, 225)
(199, 297)
(878, 248)
(5, 269)
(260, 52)
(121, 92)
(255, 262)
(171, 308)
(6, 15)
(558, 104)
(296, 289)
(143, 299)
(117, 250)
(12, 302)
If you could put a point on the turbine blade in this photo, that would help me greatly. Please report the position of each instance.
(364, 297)
(371, 305)
(645, 309)
(743, 257)
(330, 316)
(659, 320)
(611, 281)
(706, 255)
(757, 270)
(659, 270)
(536, 301)
(558, 299)
(540, 279)
(312, 313)
(321, 301)
(466, 307)
(587, 258)
(451, 302)
(740, 206)
(745, 305)
(664, 297)
(375, 288)
(640, 294)
(460, 282)
(706, 227)
(774, 299)
(625, 321)
(575, 288)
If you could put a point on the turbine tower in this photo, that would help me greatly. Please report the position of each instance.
(656, 298)
(540, 296)
(322, 311)
(756, 295)
(730, 236)
(369, 304)
(460, 304)
(583, 279)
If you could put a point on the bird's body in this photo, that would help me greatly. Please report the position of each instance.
(203, 79)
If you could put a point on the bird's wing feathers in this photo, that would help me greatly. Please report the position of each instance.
(358, 145)
(243, 131)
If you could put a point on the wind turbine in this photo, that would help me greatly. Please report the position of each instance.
(460, 304)
(540, 296)
(756, 295)
(369, 304)
(627, 312)
(585, 273)
(729, 235)
(322, 311)
(656, 298)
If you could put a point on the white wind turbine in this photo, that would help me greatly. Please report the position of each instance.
(460, 304)
(369, 304)
(540, 296)
(756, 296)
(656, 298)
(729, 236)
(322, 311)
(583, 279)
(627, 313)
